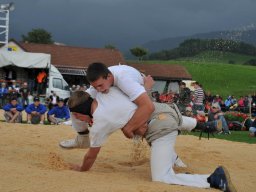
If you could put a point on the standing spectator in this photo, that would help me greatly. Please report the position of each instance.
(72, 89)
(215, 114)
(41, 78)
(3, 94)
(32, 81)
(59, 114)
(13, 111)
(208, 97)
(12, 93)
(252, 129)
(25, 92)
(254, 97)
(82, 88)
(246, 104)
(10, 74)
(184, 97)
(77, 87)
(35, 112)
(198, 104)
(15, 86)
(53, 100)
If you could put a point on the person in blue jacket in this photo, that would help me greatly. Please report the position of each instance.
(13, 111)
(59, 114)
(35, 112)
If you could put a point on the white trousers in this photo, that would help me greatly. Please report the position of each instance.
(188, 123)
(162, 152)
(78, 125)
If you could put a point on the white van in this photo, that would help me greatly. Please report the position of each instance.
(57, 84)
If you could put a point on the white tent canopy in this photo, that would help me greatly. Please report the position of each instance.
(26, 60)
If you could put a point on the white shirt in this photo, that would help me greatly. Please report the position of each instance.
(54, 100)
(126, 78)
(114, 110)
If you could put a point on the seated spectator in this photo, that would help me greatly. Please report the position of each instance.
(3, 94)
(155, 96)
(35, 112)
(215, 114)
(59, 113)
(188, 112)
(228, 103)
(234, 104)
(252, 129)
(208, 97)
(200, 116)
(13, 111)
(241, 102)
(166, 97)
(241, 105)
(217, 99)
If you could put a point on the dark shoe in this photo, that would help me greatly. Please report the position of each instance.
(227, 132)
(209, 128)
(224, 133)
(220, 179)
(201, 126)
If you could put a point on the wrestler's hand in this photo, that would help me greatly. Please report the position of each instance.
(142, 130)
(148, 82)
(128, 133)
(75, 167)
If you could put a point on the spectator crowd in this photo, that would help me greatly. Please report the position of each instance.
(197, 103)
(207, 107)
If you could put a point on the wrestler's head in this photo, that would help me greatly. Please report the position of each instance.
(100, 77)
(80, 103)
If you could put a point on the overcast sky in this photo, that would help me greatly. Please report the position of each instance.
(127, 23)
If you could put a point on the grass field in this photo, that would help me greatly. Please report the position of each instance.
(238, 136)
(216, 75)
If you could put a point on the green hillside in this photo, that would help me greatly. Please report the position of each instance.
(219, 57)
(216, 75)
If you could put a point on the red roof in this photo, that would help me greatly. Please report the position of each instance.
(63, 56)
(75, 57)
(164, 71)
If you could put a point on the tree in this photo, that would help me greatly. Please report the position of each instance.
(38, 36)
(139, 52)
(109, 46)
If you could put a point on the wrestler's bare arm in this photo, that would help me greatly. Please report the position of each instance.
(88, 161)
(148, 82)
(141, 115)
